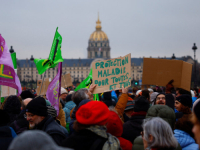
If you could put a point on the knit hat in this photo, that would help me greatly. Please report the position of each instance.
(5, 119)
(141, 104)
(37, 106)
(185, 99)
(51, 111)
(130, 105)
(63, 91)
(26, 94)
(93, 113)
(196, 110)
(40, 139)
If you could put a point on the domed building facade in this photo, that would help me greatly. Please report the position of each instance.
(98, 45)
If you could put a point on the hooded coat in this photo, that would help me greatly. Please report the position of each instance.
(115, 127)
(162, 111)
(185, 140)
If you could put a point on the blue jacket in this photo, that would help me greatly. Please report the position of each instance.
(185, 140)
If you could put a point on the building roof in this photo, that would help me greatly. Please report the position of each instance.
(86, 62)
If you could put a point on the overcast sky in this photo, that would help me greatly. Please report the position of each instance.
(140, 27)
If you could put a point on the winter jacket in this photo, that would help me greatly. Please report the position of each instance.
(68, 107)
(92, 138)
(185, 140)
(51, 127)
(7, 134)
(121, 105)
(133, 127)
(115, 127)
(61, 116)
(20, 124)
(162, 111)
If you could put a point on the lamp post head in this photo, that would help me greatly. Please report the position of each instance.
(194, 47)
(31, 59)
(11, 50)
(173, 56)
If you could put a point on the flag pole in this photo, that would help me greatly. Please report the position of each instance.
(42, 82)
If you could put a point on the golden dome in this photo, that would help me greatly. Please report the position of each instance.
(98, 35)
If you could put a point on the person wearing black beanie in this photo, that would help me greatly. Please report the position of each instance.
(26, 94)
(196, 122)
(183, 103)
(38, 118)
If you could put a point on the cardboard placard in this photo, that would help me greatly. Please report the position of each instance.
(44, 86)
(111, 74)
(161, 71)
(7, 91)
(66, 80)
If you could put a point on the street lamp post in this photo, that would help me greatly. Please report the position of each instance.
(11, 50)
(31, 59)
(194, 48)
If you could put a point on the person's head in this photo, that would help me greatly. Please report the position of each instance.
(12, 105)
(158, 134)
(196, 122)
(160, 99)
(183, 103)
(145, 93)
(180, 91)
(129, 108)
(141, 104)
(153, 97)
(25, 103)
(36, 111)
(26, 94)
(80, 95)
(68, 98)
(92, 113)
(34, 140)
(63, 93)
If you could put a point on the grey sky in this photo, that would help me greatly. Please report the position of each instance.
(140, 27)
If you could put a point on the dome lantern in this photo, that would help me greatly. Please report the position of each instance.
(98, 26)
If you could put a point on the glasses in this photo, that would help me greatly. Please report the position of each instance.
(28, 116)
(160, 98)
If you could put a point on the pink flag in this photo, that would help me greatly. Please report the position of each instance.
(53, 91)
(8, 77)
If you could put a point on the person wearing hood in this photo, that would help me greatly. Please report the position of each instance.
(34, 140)
(183, 104)
(162, 111)
(91, 119)
(133, 127)
(115, 127)
(183, 133)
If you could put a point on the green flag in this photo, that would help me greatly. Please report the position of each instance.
(14, 60)
(86, 84)
(55, 55)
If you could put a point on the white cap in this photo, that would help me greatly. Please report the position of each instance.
(63, 90)
(137, 93)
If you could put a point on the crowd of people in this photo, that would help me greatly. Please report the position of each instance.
(130, 119)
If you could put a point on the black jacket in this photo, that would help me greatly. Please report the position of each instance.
(20, 124)
(83, 140)
(51, 127)
(133, 127)
(6, 137)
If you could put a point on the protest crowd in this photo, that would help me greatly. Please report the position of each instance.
(102, 113)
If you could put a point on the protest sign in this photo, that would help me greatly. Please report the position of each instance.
(44, 86)
(161, 71)
(66, 80)
(7, 91)
(112, 74)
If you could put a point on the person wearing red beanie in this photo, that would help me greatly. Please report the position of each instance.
(91, 119)
(115, 127)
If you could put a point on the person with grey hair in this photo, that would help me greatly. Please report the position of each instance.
(157, 135)
(34, 140)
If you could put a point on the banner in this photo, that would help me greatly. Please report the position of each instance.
(55, 55)
(8, 77)
(112, 74)
(161, 71)
(53, 91)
